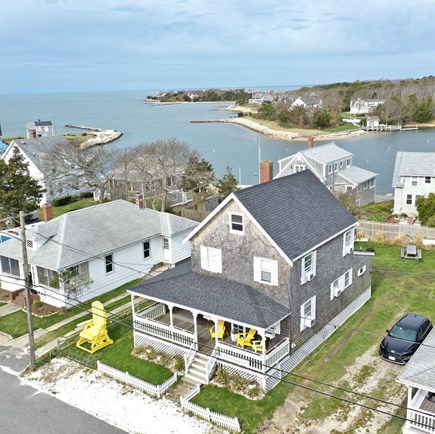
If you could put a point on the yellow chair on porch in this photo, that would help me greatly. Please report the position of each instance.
(220, 330)
(95, 331)
(245, 339)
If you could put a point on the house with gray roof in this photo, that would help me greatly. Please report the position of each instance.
(33, 151)
(310, 101)
(419, 377)
(334, 167)
(364, 106)
(82, 254)
(413, 177)
(275, 259)
(39, 129)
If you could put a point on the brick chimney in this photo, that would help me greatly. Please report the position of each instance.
(139, 200)
(266, 170)
(47, 212)
(310, 142)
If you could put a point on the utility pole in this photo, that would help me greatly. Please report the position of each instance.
(27, 288)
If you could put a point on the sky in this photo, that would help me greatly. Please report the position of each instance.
(114, 45)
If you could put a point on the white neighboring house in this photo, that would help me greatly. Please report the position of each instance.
(261, 97)
(334, 167)
(373, 121)
(308, 101)
(419, 377)
(414, 176)
(33, 151)
(85, 253)
(364, 106)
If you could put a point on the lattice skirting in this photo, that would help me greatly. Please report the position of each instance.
(158, 345)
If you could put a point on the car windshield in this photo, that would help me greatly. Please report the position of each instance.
(403, 333)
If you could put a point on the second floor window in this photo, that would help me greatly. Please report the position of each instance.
(266, 271)
(308, 267)
(348, 242)
(109, 263)
(414, 181)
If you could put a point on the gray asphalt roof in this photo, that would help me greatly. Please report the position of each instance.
(356, 174)
(413, 164)
(95, 231)
(327, 153)
(297, 211)
(420, 370)
(213, 295)
(35, 148)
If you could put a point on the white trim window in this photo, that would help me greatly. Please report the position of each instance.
(211, 259)
(266, 271)
(308, 313)
(237, 224)
(348, 240)
(109, 264)
(146, 249)
(340, 284)
(10, 266)
(362, 270)
(308, 267)
(414, 181)
(299, 168)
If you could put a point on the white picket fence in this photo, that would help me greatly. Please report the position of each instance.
(152, 389)
(231, 423)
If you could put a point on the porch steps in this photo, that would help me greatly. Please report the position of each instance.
(197, 373)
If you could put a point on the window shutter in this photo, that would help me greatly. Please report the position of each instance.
(314, 261)
(257, 269)
(302, 318)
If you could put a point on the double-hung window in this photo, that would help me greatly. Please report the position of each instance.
(308, 267)
(146, 249)
(348, 239)
(10, 266)
(236, 223)
(211, 259)
(409, 199)
(266, 271)
(308, 313)
(109, 263)
(341, 283)
(414, 181)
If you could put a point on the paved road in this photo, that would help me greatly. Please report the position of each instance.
(23, 409)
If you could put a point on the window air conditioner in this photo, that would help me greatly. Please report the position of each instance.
(337, 292)
(309, 277)
(309, 322)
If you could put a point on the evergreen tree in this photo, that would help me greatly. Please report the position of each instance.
(228, 183)
(426, 209)
(199, 174)
(18, 190)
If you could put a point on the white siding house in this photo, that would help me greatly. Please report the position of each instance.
(413, 177)
(85, 253)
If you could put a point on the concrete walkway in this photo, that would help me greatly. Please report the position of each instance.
(9, 308)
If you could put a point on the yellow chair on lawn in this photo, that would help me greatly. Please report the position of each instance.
(245, 339)
(95, 331)
(220, 330)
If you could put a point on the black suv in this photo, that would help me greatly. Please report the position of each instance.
(404, 338)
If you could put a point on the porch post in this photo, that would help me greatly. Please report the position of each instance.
(171, 318)
(263, 349)
(195, 328)
(132, 305)
(216, 339)
(408, 407)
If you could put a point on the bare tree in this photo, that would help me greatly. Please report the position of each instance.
(158, 165)
(93, 167)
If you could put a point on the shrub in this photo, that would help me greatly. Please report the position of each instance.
(222, 376)
(165, 359)
(253, 392)
(152, 354)
(179, 363)
(138, 350)
(63, 200)
(239, 383)
(86, 194)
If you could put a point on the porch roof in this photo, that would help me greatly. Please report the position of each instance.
(420, 370)
(214, 296)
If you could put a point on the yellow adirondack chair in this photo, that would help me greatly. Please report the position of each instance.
(245, 339)
(220, 332)
(95, 331)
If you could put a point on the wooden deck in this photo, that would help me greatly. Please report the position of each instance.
(428, 405)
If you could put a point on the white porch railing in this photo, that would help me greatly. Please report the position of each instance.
(231, 423)
(163, 331)
(152, 389)
(420, 419)
(211, 365)
(152, 312)
(252, 360)
(189, 357)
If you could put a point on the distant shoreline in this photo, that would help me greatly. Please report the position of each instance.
(102, 136)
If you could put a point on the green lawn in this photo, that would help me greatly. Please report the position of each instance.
(15, 324)
(346, 127)
(377, 212)
(118, 355)
(398, 286)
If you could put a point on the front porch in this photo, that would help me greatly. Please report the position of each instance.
(187, 330)
(420, 413)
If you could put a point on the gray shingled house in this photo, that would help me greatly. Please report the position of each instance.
(334, 167)
(275, 259)
(82, 254)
